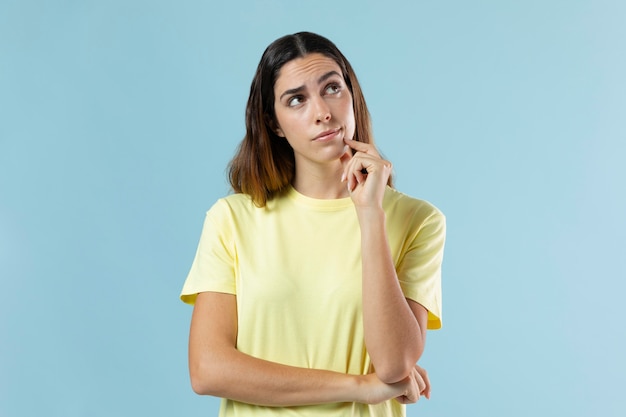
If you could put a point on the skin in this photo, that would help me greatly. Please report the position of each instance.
(314, 113)
(312, 98)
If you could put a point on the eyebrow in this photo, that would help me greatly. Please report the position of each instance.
(301, 88)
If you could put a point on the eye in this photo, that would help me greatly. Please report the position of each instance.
(294, 101)
(333, 88)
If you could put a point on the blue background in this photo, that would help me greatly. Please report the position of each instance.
(117, 120)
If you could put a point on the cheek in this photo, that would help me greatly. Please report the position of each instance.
(282, 121)
(288, 124)
(350, 120)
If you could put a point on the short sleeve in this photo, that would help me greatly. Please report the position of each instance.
(213, 268)
(419, 271)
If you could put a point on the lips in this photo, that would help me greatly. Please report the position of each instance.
(328, 134)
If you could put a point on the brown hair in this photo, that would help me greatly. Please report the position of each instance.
(264, 164)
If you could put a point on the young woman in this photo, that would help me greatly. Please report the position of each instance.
(314, 283)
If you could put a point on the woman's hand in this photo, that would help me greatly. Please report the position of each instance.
(419, 377)
(407, 391)
(366, 174)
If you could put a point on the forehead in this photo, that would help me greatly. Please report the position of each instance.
(304, 70)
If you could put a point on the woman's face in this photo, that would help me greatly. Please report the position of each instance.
(313, 108)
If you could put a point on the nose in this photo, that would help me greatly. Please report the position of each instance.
(322, 111)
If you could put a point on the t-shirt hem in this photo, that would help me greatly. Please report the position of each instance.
(189, 297)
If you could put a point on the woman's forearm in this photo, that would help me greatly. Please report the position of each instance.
(217, 368)
(240, 377)
(393, 335)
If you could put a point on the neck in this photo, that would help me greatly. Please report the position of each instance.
(321, 182)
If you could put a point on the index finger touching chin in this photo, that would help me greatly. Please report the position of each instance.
(367, 148)
(359, 146)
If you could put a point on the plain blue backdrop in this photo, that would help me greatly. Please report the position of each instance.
(117, 120)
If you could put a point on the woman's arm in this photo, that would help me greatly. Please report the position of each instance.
(394, 327)
(217, 368)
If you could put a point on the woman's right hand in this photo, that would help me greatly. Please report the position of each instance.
(407, 391)
(419, 376)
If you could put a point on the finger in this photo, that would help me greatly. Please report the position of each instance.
(360, 175)
(404, 400)
(361, 147)
(355, 172)
(421, 385)
(349, 177)
(370, 162)
(363, 163)
(426, 390)
(413, 393)
(419, 382)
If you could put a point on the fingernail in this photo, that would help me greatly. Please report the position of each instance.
(343, 177)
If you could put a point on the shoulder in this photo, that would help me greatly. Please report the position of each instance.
(232, 203)
(237, 201)
(225, 209)
(241, 205)
(398, 204)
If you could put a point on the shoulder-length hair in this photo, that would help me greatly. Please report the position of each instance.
(264, 164)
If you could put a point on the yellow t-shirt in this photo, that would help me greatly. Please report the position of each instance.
(295, 267)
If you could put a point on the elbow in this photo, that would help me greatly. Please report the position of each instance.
(209, 371)
(393, 371)
(203, 381)
(199, 385)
